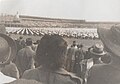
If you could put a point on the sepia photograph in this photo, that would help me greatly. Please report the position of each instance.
(59, 42)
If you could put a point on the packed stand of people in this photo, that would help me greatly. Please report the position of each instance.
(50, 60)
(26, 21)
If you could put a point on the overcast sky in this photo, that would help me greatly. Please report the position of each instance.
(94, 10)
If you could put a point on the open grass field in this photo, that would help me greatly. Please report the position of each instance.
(86, 42)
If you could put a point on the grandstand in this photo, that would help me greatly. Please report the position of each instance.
(44, 22)
(30, 21)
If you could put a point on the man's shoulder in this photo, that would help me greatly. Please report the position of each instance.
(103, 70)
(100, 66)
(72, 76)
(97, 67)
(104, 74)
(24, 81)
(21, 50)
(33, 74)
(29, 73)
(27, 50)
(105, 67)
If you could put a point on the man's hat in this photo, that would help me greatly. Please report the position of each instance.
(7, 47)
(97, 50)
(111, 39)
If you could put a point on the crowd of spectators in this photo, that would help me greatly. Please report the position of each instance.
(78, 61)
(50, 61)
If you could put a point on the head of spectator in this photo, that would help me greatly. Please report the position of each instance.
(37, 42)
(51, 52)
(106, 58)
(97, 51)
(29, 41)
(80, 46)
(90, 48)
(20, 37)
(7, 53)
(74, 44)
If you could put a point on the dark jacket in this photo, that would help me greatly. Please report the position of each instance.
(25, 59)
(104, 74)
(47, 76)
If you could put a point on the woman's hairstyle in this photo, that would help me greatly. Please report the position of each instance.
(51, 51)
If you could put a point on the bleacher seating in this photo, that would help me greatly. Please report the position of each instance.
(40, 22)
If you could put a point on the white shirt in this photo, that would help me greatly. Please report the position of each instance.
(5, 79)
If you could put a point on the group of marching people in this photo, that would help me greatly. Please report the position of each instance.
(50, 61)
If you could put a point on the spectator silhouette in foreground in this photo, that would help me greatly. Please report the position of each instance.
(7, 53)
(108, 73)
(24, 81)
(70, 62)
(25, 57)
(20, 43)
(106, 58)
(96, 53)
(50, 56)
(79, 57)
